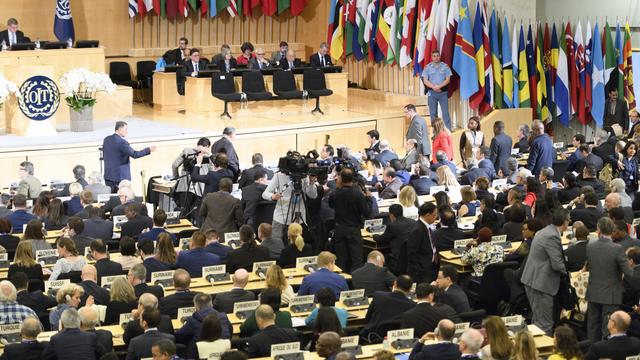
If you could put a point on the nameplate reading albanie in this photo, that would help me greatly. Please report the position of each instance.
(306, 260)
(285, 348)
(402, 334)
(351, 294)
(514, 320)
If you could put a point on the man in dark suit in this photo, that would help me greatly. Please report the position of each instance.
(140, 346)
(373, 276)
(500, 148)
(423, 262)
(150, 262)
(211, 179)
(321, 58)
(19, 216)
(589, 179)
(589, 214)
(448, 232)
(442, 349)
(618, 345)
(470, 343)
(588, 158)
(89, 319)
(117, 151)
(137, 276)
(324, 277)
(290, 62)
(194, 259)
(395, 235)
(75, 227)
(541, 151)
(424, 317)
(259, 345)
(247, 178)
(12, 35)
(252, 196)
(35, 300)
(373, 137)
(221, 211)
(194, 65)
(631, 294)
(449, 292)
(259, 62)
(179, 55)
(71, 342)
(248, 253)
(86, 200)
(523, 139)
(159, 220)
(183, 296)
(29, 348)
(616, 111)
(423, 183)
(576, 253)
(96, 227)
(606, 263)
(91, 288)
(190, 332)
(136, 222)
(484, 162)
(225, 145)
(389, 306)
(104, 266)
(214, 246)
(418, 130)
(133, 328)
(224, 302)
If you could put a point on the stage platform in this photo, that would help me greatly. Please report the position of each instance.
(271, 133)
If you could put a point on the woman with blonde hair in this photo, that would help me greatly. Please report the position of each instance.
(275, 279)
(408, 198)
(123, 300)
(165, 252)
(67, 297)
(446, 176)
(469, 204)
(441, 140)
(297, 247)
(23, 261)
(524, 347)
(68, 259)
(499, 345)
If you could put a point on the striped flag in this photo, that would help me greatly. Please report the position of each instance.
(496, 60)
(408, 26)
(581, 71)
(524, 93)
(588, 68)
(553, 71)
(360, 41)
(609, 59)
(628, 69)
(597, 78)
(514, 61)
(507, 67)
(530, 50)
(542, 106)
(573, 73)
(464, 61)
(63, 22)
(563, 102)
(232, 9)
(483, 99)
(619, 60)
(420, 59)
(133, 8)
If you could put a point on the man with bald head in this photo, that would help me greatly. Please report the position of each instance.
(10, 311)
(618, 345)
(183, 296)
(470, 343)
(133, 328)
(89, 320)
(91, 288)
(328, 345)
(443, 348)
(612, 200)
(259, 345)
(28, 348)
(373, 275)
(224, 301)
(290, 62)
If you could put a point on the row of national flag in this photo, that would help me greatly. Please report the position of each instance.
(559, 71)
(172, 9)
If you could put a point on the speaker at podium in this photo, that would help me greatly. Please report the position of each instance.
(33, 111)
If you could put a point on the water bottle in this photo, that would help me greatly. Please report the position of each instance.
(70, 43)
(305, 99)
(37, 44)
(4, 46)
(244, 102)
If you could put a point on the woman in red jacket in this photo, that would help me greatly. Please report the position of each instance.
(441, 140)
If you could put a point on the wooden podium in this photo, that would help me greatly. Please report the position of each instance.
(16, 122)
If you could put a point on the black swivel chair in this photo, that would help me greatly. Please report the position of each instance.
(314, 83)
(224, 88)
(180, 81)
(284, 85)
(74, 276)
(473, 317)
(493, 287)
(253, 86)
(145, 71)
(120, 74)
(559, 169)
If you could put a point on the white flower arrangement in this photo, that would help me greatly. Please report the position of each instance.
(81, 86)
(7, 88)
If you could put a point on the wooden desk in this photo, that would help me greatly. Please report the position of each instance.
(165, 92)
(61, 60)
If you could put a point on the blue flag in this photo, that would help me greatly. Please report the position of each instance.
(63, 24)
(597, 79)
(213, 8)
(464, 61)
(507, 67)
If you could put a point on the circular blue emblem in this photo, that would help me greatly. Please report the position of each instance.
(39, 98)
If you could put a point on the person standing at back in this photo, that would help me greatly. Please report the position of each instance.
(500, 148)
(541, 151)
(436, 77)
(225, 145)
(117, 151)
(351, 209)
(418, 130)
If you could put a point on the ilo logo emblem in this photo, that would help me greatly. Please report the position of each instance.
(39, 98)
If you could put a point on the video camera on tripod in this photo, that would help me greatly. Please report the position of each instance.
(189, 160)
(297, 166)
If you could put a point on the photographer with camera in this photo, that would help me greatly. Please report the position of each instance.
(186, 191)
(351, 208)
(212, 178)
(290, 185)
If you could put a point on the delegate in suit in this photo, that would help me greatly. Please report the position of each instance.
(117, 152)
(616, 111)
(12, 35)
(500, 148)
(321, 58)
(418, 130)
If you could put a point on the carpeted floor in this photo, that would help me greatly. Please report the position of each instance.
(138, 129)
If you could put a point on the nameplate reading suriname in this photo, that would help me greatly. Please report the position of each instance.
(161, 275)
(306, 260)
(262, 265)
(285, 348)
(351, 294)
(214, 269)
(245, 306)
(302, 300)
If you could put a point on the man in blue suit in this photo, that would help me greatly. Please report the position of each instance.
(116, 152)
(325, 277)
(197, 256)
(541, 151)
(19, 216)
(159, 219)
(500, 148)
